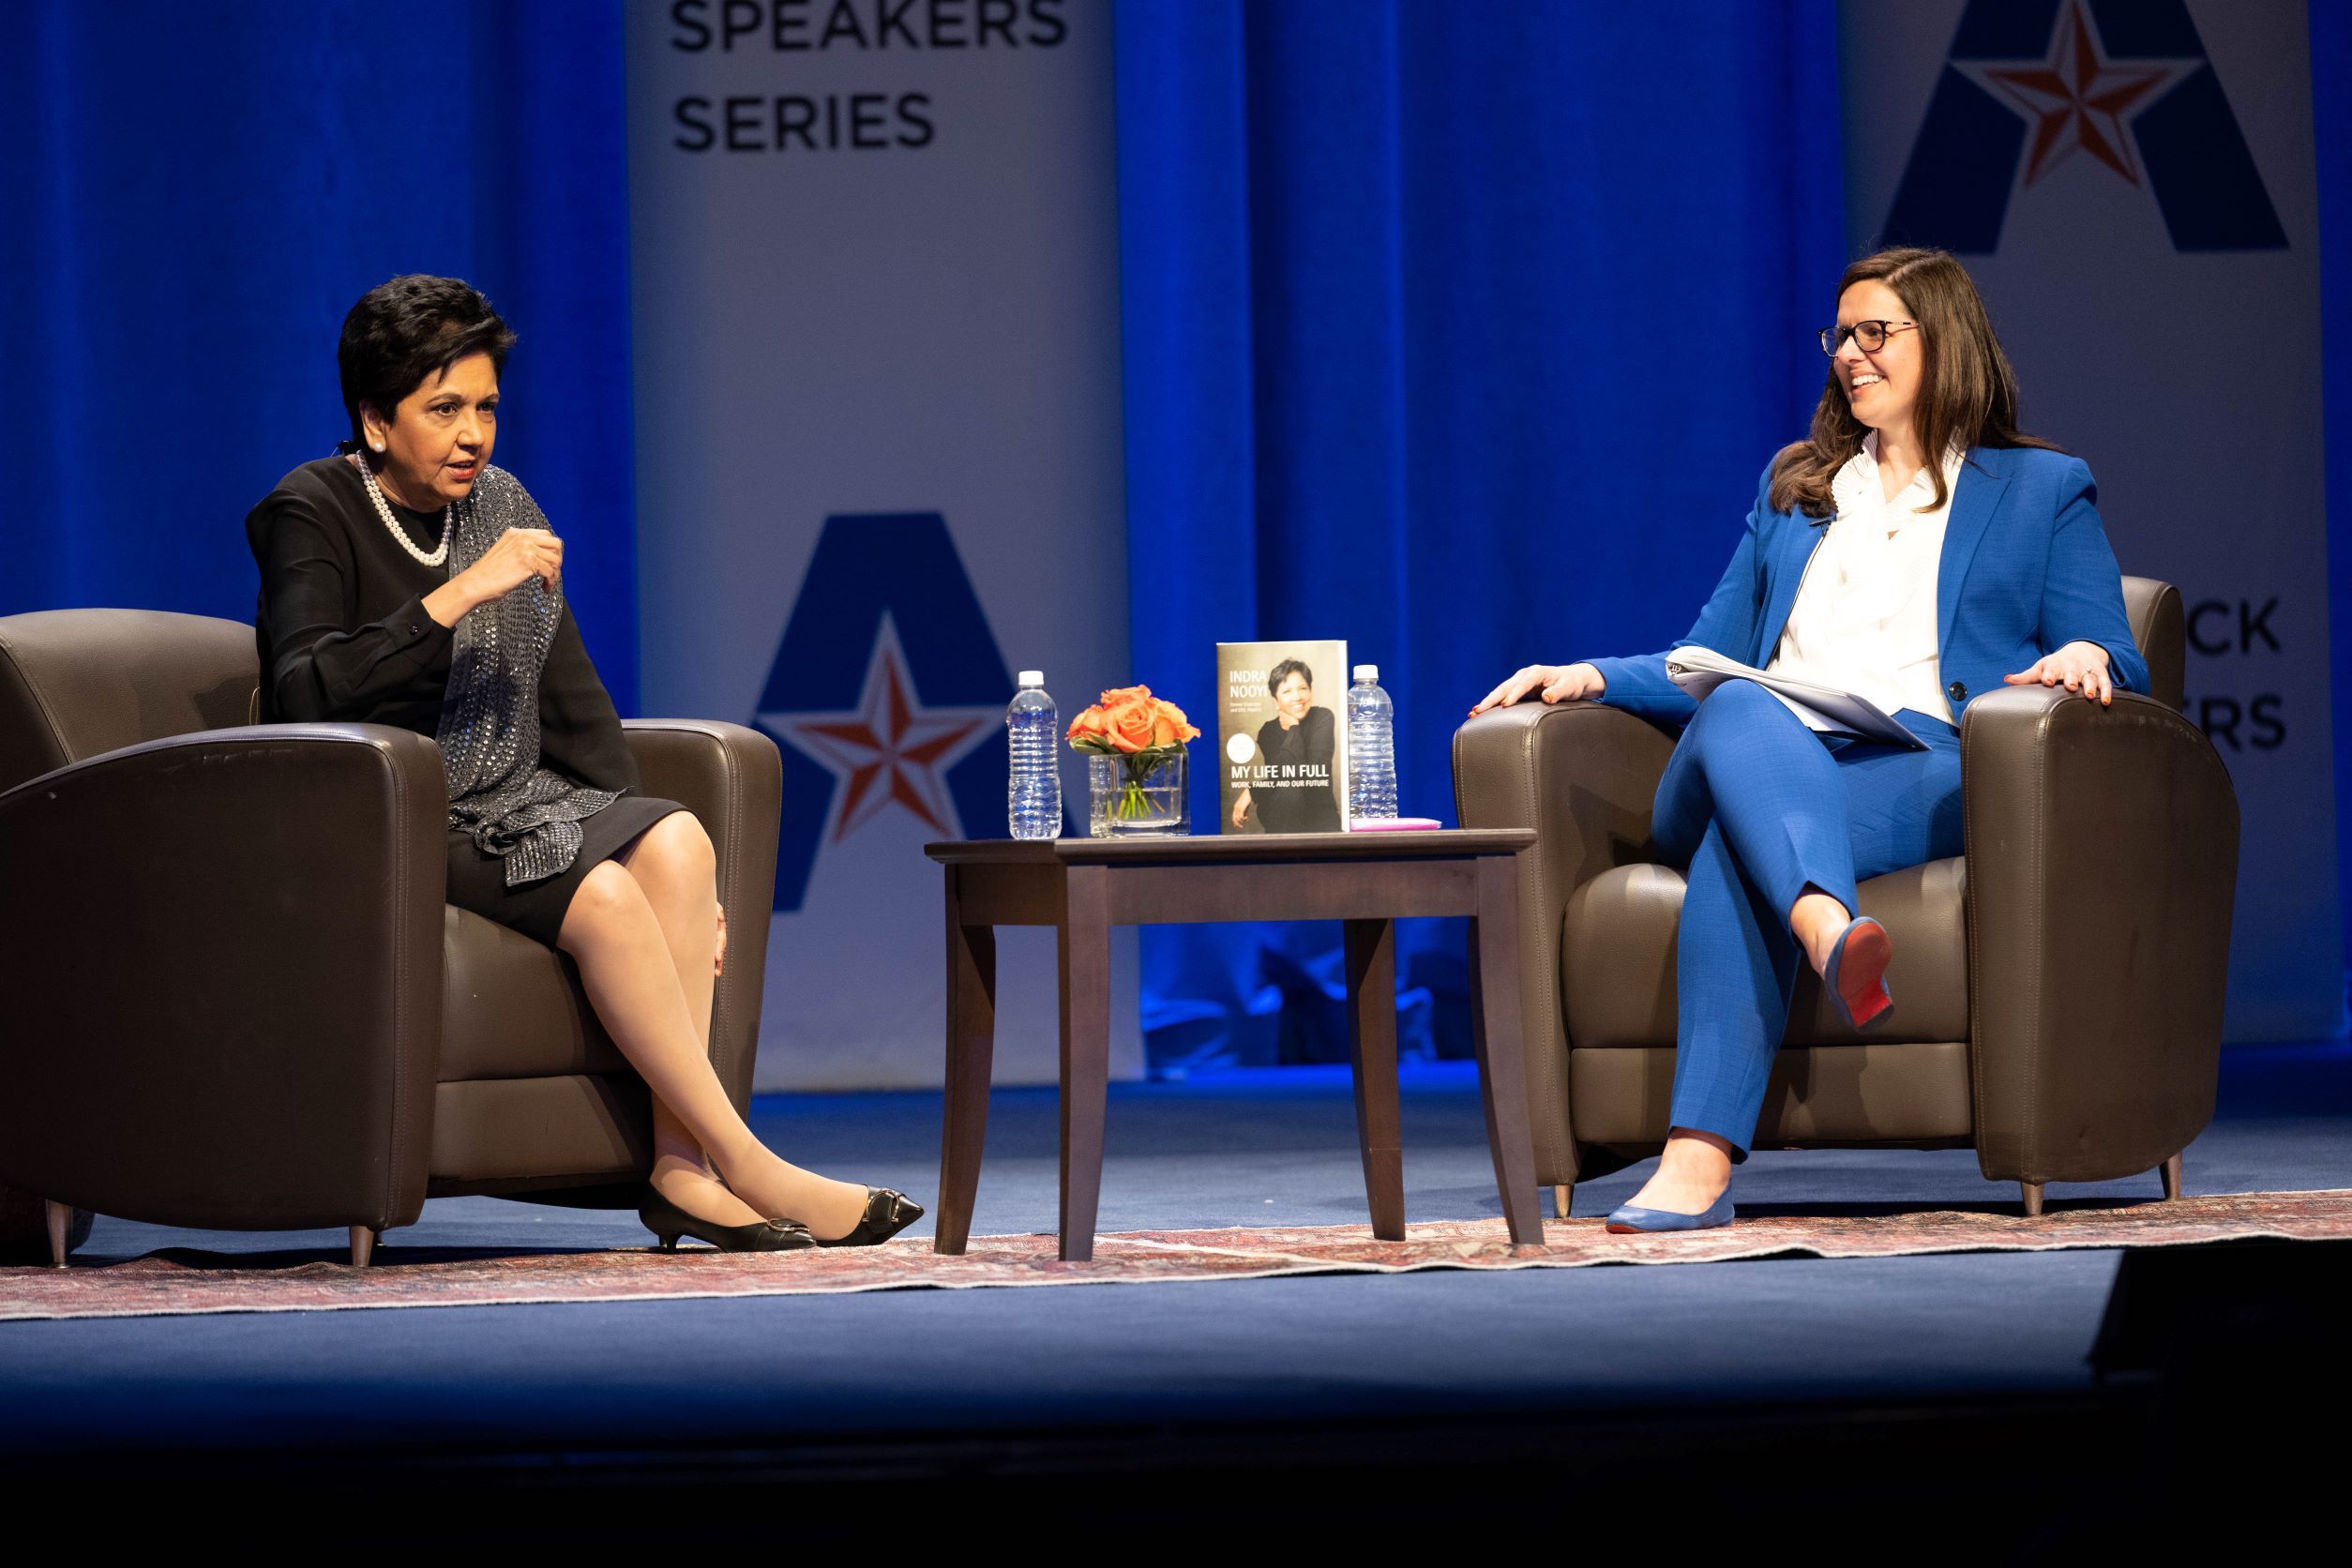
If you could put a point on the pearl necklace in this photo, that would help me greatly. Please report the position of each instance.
(448, 522)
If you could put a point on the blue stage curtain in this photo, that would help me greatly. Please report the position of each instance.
(2331, 125)
(191, 198)
(1460, 331)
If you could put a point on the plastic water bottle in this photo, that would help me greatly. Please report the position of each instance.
(1033, 798)
(1371, 749)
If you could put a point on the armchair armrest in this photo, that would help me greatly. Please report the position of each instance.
(222, 962)
(733, 779)
(1583, 777)
(2103, 857)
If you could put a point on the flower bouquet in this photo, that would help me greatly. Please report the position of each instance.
(1135, 744)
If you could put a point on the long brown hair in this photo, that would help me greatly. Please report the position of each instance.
(1966, 389)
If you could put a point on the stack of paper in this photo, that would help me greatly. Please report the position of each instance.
(1701, 671)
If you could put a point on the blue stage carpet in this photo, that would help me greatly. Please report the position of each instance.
(1233, 1149)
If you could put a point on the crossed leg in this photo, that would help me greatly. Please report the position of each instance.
(1775, 853)
(643, 929)
(674, 866)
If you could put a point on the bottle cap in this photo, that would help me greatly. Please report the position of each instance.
(1367, 672)
(1032, 678)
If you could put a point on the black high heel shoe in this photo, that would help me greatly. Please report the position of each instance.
(887, 1212)
(668, 1222)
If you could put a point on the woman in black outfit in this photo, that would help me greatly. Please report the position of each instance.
(406, 581)
(1299, 740)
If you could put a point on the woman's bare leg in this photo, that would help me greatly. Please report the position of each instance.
(666, 860)
(675, 867)
(683, 1174)
(632, 975)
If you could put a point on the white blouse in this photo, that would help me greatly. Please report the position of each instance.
(1864, 618)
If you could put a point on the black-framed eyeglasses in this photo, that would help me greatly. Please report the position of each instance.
(1871, 336)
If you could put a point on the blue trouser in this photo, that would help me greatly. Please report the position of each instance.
(1762, 808)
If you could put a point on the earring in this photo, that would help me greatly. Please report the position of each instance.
(376, 447)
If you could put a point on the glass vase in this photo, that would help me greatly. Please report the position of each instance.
(1122, 802)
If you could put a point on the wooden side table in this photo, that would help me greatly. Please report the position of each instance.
(1081, 887)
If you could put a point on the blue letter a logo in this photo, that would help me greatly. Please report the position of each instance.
(887, 691)
(2030, 85)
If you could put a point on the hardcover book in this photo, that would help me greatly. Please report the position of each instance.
(1282, 739)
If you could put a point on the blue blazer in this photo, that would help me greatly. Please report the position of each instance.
(2025, 570)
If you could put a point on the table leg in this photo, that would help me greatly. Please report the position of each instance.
(1494, 975)
(970, 1054)
(1083, 939)
(1371, 952)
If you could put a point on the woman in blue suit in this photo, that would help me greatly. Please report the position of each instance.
(1916, 549)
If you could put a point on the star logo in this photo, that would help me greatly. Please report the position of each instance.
(2077, 100)
(890, 751)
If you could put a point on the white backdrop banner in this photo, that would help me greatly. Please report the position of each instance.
(2131, 183)
(876, 320)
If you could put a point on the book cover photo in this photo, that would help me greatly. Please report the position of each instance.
(1283, 749)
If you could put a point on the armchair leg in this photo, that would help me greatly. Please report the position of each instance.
(60, 1218)
(2171, 1173)
(363, 1245)
(2034, 1198)
(1561, 1193)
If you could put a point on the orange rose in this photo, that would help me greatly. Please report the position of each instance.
(1128, 716)
(1170, 724)
(1128, 720)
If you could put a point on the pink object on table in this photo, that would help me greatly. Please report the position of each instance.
(1394, 824)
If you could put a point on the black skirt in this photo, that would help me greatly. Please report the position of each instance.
(477, 881)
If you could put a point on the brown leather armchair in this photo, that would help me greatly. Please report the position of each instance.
(235, 996)
(2058, 988)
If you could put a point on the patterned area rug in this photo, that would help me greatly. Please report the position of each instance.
(184, 1281)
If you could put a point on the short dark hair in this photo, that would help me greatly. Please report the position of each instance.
(410, 328)
(1284, 670)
